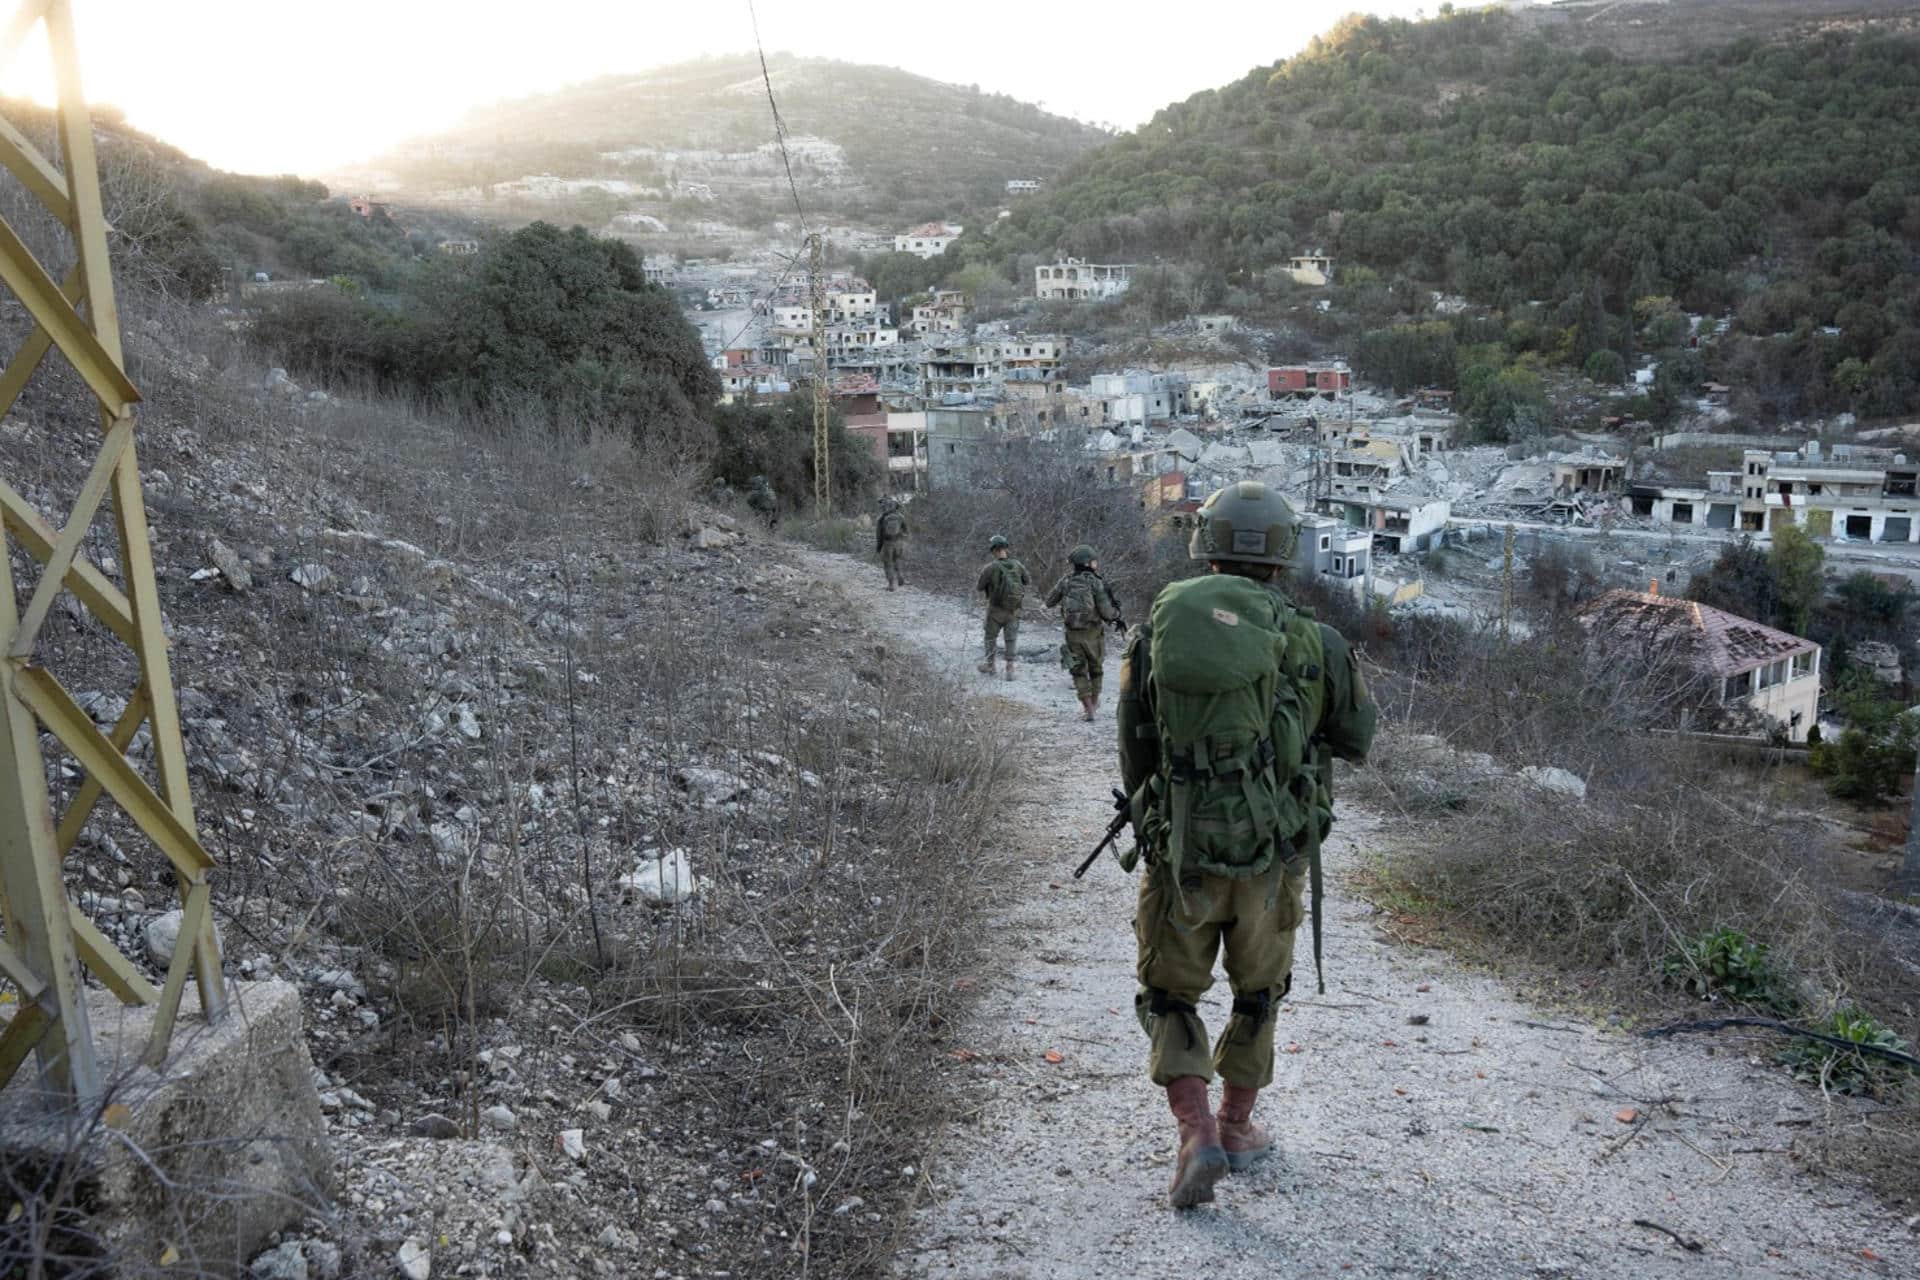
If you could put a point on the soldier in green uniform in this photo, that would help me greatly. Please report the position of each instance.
(1005, 582)
(760, 497)
(890, 540)
(1232, 705)
(1086, 607)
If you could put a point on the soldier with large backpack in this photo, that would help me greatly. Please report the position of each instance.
(1086, 607)
(890, 540)
(1232, 704)
(1005, 582)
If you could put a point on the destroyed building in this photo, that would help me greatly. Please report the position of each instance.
(1748, 667)
(1071, 278)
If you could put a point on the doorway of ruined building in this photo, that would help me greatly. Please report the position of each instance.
(1753, 521)
(1720, 515)
(1860, 528)
(1820, 524)
(1897, 529)
(1683, 513)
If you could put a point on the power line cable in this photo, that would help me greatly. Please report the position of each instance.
(779, 125)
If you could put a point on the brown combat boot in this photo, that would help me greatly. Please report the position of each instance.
(1243, 1140)
(1202, 1161)
(985, 668)
(1086, 708)
(1009, 668)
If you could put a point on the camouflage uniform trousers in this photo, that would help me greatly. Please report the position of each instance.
(1085, 657)
(1002, 622)
(1179, 934)
(893, 556)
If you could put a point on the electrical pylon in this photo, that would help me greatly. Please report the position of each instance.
(47, 939)
(822, 409)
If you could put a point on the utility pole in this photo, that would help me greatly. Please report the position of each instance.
(1506, 593)
(822, 470)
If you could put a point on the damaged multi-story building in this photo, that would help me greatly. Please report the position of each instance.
(1853, 496)
(1074, 279)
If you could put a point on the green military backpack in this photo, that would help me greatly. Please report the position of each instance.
(892, 525)
(1078, 609)
(1006, 591)
(1237, 692)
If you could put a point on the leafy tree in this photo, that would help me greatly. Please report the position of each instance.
(1605, 367)
(1793, 562)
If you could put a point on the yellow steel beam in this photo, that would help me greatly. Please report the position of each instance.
(21, 272)
(28, 1028)
(36, 687)
(36, 173)
(75, 819)
(20, 369)
(89, 224)
(24, 16)
(193, 923)
(15, 970)
(101, 597)
(54, 580)
(36, 897)
(104, 961)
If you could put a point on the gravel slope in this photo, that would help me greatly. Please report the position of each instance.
(1491, 1140)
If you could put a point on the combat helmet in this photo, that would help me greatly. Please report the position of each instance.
(1245, 522)
(1081, 556)
(998, 542)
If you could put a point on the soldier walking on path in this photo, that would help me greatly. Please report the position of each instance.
(1232, 704)
(1086, 607)
(890, 540)
(1005, 581)
(761, 498)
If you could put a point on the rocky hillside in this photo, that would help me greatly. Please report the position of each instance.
(865, 140)
(620, 868)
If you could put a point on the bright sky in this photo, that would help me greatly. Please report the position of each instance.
(310, 86)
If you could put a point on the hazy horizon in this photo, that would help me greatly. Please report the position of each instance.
(312, 90)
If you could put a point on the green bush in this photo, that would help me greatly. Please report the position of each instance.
(1727, 964)
(1849, 1071)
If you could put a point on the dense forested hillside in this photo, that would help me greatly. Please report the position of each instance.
(1776, 180)
(896, 144)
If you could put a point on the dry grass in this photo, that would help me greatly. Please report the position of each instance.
(1671, 843)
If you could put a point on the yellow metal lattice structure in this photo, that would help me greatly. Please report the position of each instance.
(822, 409)
(46, 938)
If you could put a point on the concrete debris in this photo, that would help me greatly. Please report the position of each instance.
(711, 539)
(282, 1262)
(499, 1118)
(712, 786)
(310, 577)
(415, 1262)
(1554, 778)
(665, 880)
(435, 1125)
(230, 566)
(573, 1144)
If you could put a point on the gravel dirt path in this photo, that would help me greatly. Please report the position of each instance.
(1433, 1123)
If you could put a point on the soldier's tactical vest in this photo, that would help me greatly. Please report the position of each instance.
(1237, 691)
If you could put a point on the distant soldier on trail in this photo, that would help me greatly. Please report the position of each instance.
(1232, 705)
(1005, 582)
(761, 498)
(1086, 607)
(890, 540)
